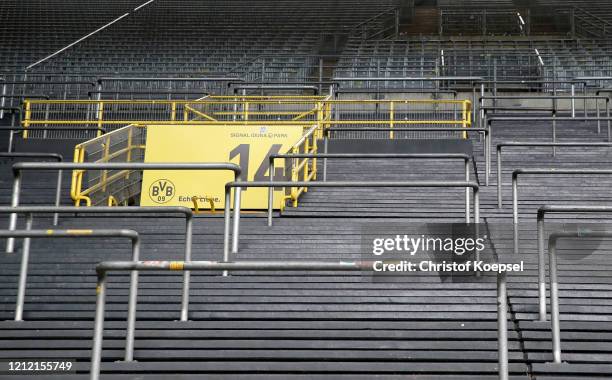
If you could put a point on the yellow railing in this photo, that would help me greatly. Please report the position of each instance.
(122, 145)
(304, 169)
(111, 114)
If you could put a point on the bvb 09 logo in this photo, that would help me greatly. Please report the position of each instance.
(162, 191)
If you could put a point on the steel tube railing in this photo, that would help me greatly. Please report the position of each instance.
(19, 167)
(340, 184)
(58, 186)
(517, 172)
(29, 210)
(553, 119)
(542, 211)
(129, 234)
(417, 156)
(554, 283)
(483, 131)
(102, 270)
(517, 144)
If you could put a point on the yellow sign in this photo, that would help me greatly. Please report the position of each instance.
(246, 145)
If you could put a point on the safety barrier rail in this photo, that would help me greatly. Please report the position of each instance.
(252, 110)
(120, 166)
(553, 119)
(237, 185)
(112, 114)
(128, 234)
(328, 133)
(30, 210)
(304, 170)
(554, 283)
(325, 156)
(104, 268)
(517, 144)
(542, 211)
(517, 172)
(554, 105)
(58, 186)
(126, 144)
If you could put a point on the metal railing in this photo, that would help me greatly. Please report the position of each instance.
(554, 107)
(554, 120)
(542, 211)
(104, 268)
(128, 234)
(30, 210)
(339, 184)
(482, 131)
(517, 172)
(554, 283)
(80, 167)
(517, 144)
(325, 156)
(252, 110)
(58, 185)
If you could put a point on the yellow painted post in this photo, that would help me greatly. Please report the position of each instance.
(105, 159)
(100, 118)
(306, 150)
(295, 176)
(27, 118)
(173, 112)
(464, 115)
(315, 149)
(391, 118)
(246, 111)
(129, 149)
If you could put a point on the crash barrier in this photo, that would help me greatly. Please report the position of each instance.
(553, 120)
(339, 184)
(542, 172)
(341, 133)
(20, 130)
(542, 211)
(128, 234)
(135, 211)
(104, 268)
(297, 164)
(58, 187)
(554, 108)
(251, 110)
(518, 144)
(80, 168)
(554, 283)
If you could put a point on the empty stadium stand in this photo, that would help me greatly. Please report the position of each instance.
(385, 75)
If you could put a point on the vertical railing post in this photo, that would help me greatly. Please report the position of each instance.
(502, 326)
(10, 242)
(554, 300)
(23, 272)
(391, 119)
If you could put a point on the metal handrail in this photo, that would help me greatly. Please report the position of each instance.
(103, 268)
(80, 167)
(341, 184)
(554, 119)
(58, 187)
(554, 283)
(430, 156)
(485, 131)
(516, 144)
(129, 234)
(517, 172)
(542, 211)
(29, 210)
